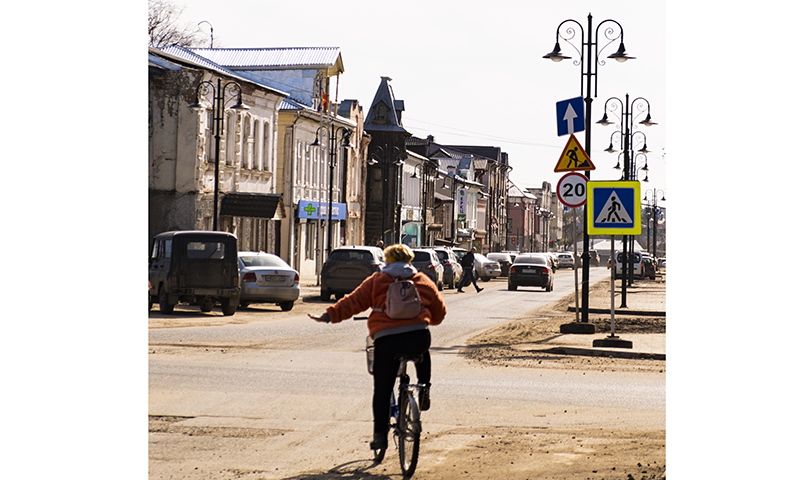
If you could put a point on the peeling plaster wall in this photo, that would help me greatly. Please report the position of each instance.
(181, 155)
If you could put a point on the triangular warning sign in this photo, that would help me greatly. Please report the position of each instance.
(613, 211)
(573, 158)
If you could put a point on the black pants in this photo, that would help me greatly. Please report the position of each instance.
(384, 370)
(468, 277)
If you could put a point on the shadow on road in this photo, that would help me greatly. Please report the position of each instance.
(355, 470)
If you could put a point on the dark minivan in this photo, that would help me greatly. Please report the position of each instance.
(347, 267)
(196, 267)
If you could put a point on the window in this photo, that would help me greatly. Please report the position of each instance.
(230, 138)
(264, 261)
(311, 240)
(205, 250)
(247, 160)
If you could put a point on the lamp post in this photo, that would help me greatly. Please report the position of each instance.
(654, 210)
(629, 112)
(333, 146)
(385, 156)
(589, 56)
(217, 125)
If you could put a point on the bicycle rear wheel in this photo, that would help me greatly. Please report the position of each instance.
(409, 430)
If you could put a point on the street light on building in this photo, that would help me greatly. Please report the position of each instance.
(589, 56)
(217, 124)
(337, 137)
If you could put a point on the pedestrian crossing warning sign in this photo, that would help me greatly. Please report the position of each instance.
(573, 158)
(614, 208)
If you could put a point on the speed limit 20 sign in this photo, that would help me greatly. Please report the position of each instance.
(571, 189)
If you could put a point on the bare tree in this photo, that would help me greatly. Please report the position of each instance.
(163, 27)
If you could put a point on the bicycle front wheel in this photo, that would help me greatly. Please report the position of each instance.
(409, 429)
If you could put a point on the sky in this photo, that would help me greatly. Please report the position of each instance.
(470, 74)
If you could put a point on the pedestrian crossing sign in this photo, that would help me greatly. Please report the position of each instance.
(614, 208)
(573, 158)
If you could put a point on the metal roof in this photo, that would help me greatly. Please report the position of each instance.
(188, 56)
(289, 104)
(329, 58)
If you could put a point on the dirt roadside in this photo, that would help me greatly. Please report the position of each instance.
(575, 453)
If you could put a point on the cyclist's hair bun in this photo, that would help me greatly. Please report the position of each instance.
(398, 253)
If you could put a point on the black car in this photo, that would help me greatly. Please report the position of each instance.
(195, 267)
(530, 270)
(347, 267)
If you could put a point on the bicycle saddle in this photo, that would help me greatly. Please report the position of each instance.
(409, 358)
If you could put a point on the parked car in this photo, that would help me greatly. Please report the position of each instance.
(513, 255)
(649, 267)
(566, 260)
(452, 269)
(485, 269)
(347, 267)
(427, 261)
(266, 278)
(195, 267)
(458, 252)
(504, 259)
(531, 270)
(662, 262)
(553, 258)
(637, 265)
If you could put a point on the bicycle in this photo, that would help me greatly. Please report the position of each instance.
(404, 417)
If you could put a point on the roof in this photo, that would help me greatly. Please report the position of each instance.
(329, 58)
(187, 56)
(382, 115)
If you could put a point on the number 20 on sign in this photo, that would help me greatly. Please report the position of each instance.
(571, 189)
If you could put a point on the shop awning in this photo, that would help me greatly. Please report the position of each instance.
(442, 198)
(256, 205)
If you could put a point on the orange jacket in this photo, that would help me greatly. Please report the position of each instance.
(372, 293)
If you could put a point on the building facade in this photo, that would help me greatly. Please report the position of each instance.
(190, 136)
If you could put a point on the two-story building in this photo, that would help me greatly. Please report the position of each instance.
(207, 157)
(319, 166)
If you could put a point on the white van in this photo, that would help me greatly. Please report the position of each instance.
(638, 272)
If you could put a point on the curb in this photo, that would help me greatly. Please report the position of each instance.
(594, 352)
(606, 311)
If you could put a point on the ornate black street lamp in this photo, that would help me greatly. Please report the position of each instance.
(654, 210)
(629, 113)
(589, 57)
(218, 116)
(333, 146)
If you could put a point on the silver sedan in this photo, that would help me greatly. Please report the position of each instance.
(266, 278)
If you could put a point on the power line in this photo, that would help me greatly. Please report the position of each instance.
(480, 135)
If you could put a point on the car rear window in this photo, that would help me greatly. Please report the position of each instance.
(530, 261)
(443, 257)
(263, 261)
(350, 256)
(205, 250)
(421, 256)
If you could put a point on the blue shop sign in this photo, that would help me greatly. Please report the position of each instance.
(309, 209)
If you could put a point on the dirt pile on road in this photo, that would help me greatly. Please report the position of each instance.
(509, 344)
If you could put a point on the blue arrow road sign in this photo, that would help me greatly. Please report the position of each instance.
(570, 116)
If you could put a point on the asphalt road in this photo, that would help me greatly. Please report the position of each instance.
(295, 383)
